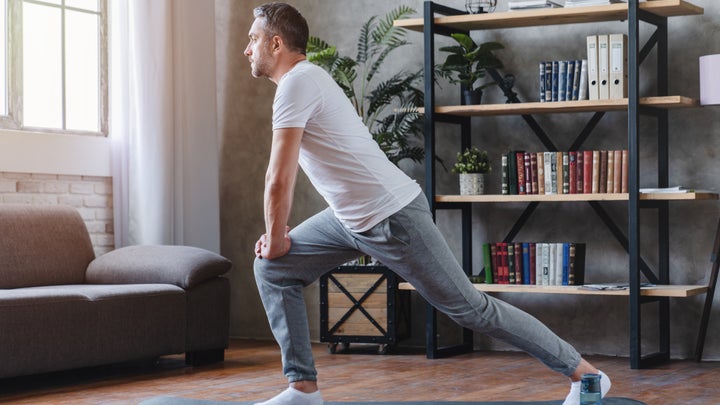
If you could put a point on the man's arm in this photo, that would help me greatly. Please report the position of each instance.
(279, 188)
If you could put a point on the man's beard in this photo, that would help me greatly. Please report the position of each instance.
(261, 66)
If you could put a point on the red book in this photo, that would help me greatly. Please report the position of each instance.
(533, 263)
(610, 172)
(495, 261)
(572, 167)
(534, 174)
(587, 171)
(503, 271)
(528, 173)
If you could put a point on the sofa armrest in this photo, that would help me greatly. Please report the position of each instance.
(183, 266)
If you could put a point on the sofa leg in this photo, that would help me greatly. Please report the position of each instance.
(202, 357)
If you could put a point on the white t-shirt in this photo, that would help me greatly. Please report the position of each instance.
(337, 152)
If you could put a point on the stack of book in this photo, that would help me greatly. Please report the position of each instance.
(574, 172)
(563, 80)
(514, 5)
(534, 263)
(582, 3)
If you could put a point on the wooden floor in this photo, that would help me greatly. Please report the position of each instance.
(252, 372)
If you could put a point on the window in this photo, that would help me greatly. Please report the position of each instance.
(56, 65)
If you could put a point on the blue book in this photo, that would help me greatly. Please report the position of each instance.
(554, 90)
(548, 81)
(565, 263)
(570, 80)
(576, 80)
(526, 262)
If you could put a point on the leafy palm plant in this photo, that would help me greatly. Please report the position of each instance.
(387, 107)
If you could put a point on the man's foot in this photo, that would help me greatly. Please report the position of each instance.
(291, 396)
(573, 397)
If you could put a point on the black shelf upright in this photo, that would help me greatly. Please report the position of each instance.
(432, 345)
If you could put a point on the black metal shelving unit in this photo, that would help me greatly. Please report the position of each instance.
(630, 241)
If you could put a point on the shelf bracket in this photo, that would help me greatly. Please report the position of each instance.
(589, 127)
(622, 239)
(521, 221)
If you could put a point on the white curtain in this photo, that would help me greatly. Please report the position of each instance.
(163, 122)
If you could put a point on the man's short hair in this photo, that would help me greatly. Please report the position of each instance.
(286, 22)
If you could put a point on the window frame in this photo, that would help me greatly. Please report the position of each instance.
(14, 60)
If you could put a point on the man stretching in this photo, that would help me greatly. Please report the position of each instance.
(374, 209)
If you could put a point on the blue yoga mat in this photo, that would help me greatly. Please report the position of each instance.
(188, 401)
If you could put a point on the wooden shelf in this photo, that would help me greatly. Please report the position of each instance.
(498, 198)
(677, 291)
(553, 16)
(665, 102)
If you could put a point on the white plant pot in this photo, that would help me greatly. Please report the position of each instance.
(472, 183)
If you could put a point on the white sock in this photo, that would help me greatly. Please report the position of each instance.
(291, 396)
(573, 397)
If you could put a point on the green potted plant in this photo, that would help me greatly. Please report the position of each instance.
(467, 63)
(472, 164)
(388, 106)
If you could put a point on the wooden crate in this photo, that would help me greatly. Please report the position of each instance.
(362, 304)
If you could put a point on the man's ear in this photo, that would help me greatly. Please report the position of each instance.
(276, 43)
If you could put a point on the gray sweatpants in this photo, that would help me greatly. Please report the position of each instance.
(410, 244)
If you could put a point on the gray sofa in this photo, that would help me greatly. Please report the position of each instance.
(63, 308)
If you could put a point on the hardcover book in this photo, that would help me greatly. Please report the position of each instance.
(540, 162)
(587, 171)
(610, 171)
(520, 162)
(580, 172)
(617, 179)
(595, 171)
(602, 181)
(572, 169)
(624, 175)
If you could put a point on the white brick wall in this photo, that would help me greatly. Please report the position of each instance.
(91, 196)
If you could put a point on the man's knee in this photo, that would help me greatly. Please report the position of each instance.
(261, 269)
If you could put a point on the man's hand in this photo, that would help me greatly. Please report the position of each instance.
(271, 248)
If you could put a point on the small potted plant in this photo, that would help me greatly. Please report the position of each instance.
(467, 63)
(471, 165)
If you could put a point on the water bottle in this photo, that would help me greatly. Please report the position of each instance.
(590, 390)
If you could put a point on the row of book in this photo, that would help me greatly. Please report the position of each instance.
(563, 80)
(573, 172)
(533, 263)
(603, 75)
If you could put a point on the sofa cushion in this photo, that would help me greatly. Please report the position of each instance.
(183, 266)
(42, 245)
(62, 327)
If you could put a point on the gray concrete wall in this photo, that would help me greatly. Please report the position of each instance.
(593, 324)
